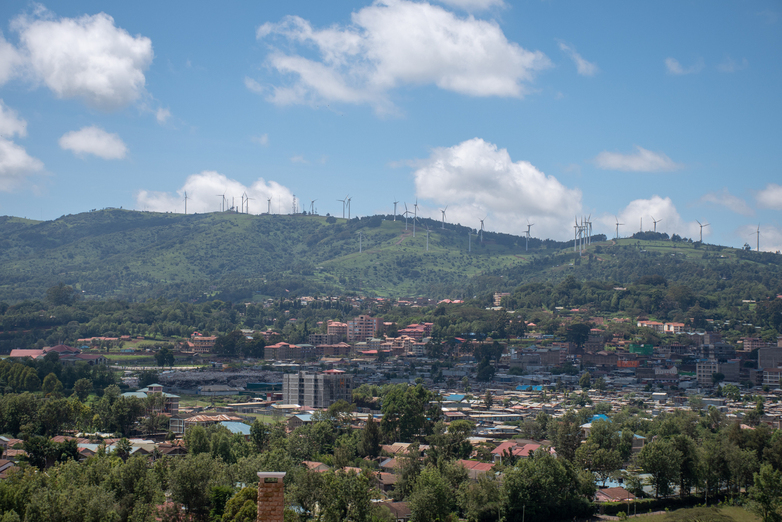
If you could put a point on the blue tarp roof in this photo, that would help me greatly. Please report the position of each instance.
(236, 427)
(457, 397)
(599, 417)
(528, 387)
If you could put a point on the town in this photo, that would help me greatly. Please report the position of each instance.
(390, 400)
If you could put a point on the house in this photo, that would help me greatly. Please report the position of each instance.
(5, 467)
(317, 467)
(613, 495)
(399, 510)
(475, 468)
(299, 420)
(386, 481)
(237, 428)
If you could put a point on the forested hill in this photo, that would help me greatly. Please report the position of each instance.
(138, 255)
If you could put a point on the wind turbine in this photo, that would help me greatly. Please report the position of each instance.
(655, 223)
(415, 214)
(482, 228)
(706, 225)
(758, 247)
(395, 202)
(222, 197)
(529, 226)
(268, 205)
(247, 203)
(343, 206)
(427, 237)
(617, 226)
(443, 213)
(406, 213)
(312, 207)
(186, 203)
(349, 200)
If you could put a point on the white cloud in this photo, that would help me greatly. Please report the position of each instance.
(770, 237)
(10, 123)
(770, 197)
(262, 140)
(476, 179)
(730, 65)
(202, 190)
(253, 85)
(641, 161)
(9, 60)
(393, 43)
(662, 209)
(96, 141)
(87, 57)
(674, 67)
(162, 115)
(473, 5)
(15, 163)
(583, 67)
(299, 159)
(729, 201)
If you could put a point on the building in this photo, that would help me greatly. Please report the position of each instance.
(317, 390)
(704, 371)
(364, 327)
(417, 331)
(340, 330)
(202, 343)
(281, 352)
(770, 357)
(325, 338)
(164, 403)
(674, 328)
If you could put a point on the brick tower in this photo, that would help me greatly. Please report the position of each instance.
(271, 497)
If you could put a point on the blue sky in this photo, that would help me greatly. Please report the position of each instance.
(512, 111)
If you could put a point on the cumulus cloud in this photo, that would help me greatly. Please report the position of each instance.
(96, 141)
(674, 67)
(476, 179)
(299, 159)
(87, 58)
(662, 209)
(730, 65)
(770, 197)
(473, 5)
(15, 163)
(162, 115)
(583, 67)
(641, 161)
(262, 140)
(201, 189)
(10, 60)
(394, 43)
(729, 201)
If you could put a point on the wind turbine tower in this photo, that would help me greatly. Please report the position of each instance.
(222, 199)
(701, 225)
(349, 200)
(294, 208)
(482, 228)
(655, 223)
(529, 226)
(343, 207)
(186, 203)
(443, 213)
(268, 205)
(312, 207)
(406, 213)
(617, 226)
(395, 202)
(415, 214)
(758, 246)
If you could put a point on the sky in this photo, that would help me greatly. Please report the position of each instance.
(512, 112)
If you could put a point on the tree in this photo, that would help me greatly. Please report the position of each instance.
(197, 440)
(51, 387)
(480, 501)
(766, 494)
(164, 357)
(61, 295)
(82, 388)
(578, 334)
(663, 461)
(543, 488)
(192, 480)
(585, 381)
(408, 412)
(488, 400)
(369, 446)
(566, 434)
(242, 507)
(432, 498)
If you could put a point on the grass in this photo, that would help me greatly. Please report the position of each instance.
(701, 514)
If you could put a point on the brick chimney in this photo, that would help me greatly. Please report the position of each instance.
(271, 497)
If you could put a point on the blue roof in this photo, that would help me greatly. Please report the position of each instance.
(304, 417)
(455, 397)
(599, 417)
(528, 387)
(236, 427)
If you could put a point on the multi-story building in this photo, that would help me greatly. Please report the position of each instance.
(321, 338)
(364, 327)
(317, 390)
(704, 370)
(770, 357)
(202, 343)
(340, 330)
(281, 352)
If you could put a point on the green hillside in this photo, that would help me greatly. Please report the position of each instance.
(139, 255)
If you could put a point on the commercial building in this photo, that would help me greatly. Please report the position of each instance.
(317, 390)
(364, 327)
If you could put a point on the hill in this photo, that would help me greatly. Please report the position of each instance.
(140, 255)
